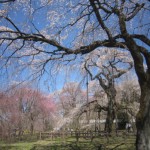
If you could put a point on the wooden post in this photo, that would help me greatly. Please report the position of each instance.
(40, 136)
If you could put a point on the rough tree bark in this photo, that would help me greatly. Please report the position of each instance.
(111, 109)
(143, 116)
(143, 119)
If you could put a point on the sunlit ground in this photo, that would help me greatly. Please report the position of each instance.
(112, 143)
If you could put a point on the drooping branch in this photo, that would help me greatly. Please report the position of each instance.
(6, 1)
(137, 8)
(18, 35)
(100, 20)
(143, 38)
(97, 76)
(97, 107)
(121, 72)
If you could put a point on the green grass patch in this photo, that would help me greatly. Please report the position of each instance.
(102, 143)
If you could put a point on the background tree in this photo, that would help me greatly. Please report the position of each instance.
(106, 66)
(70, 99)
(71, 96)
(36, 107)
(25, 109)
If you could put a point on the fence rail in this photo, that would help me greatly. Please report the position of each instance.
(81, 134)
(75, 134)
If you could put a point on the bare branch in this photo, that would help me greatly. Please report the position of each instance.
(135, 11)
(6, 1)
(143, 38)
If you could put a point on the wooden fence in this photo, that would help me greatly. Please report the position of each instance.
(82, 134)
(75, 134)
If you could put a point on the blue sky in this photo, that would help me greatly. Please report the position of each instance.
(39, 19)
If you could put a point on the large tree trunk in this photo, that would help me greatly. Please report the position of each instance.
(110, 115)
(143, 120)
(143, 116)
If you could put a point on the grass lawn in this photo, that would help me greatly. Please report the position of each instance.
(102, 143)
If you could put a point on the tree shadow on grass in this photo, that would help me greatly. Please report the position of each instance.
(10, 148)
(69, 146)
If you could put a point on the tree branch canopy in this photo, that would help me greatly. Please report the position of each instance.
(88, 26)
